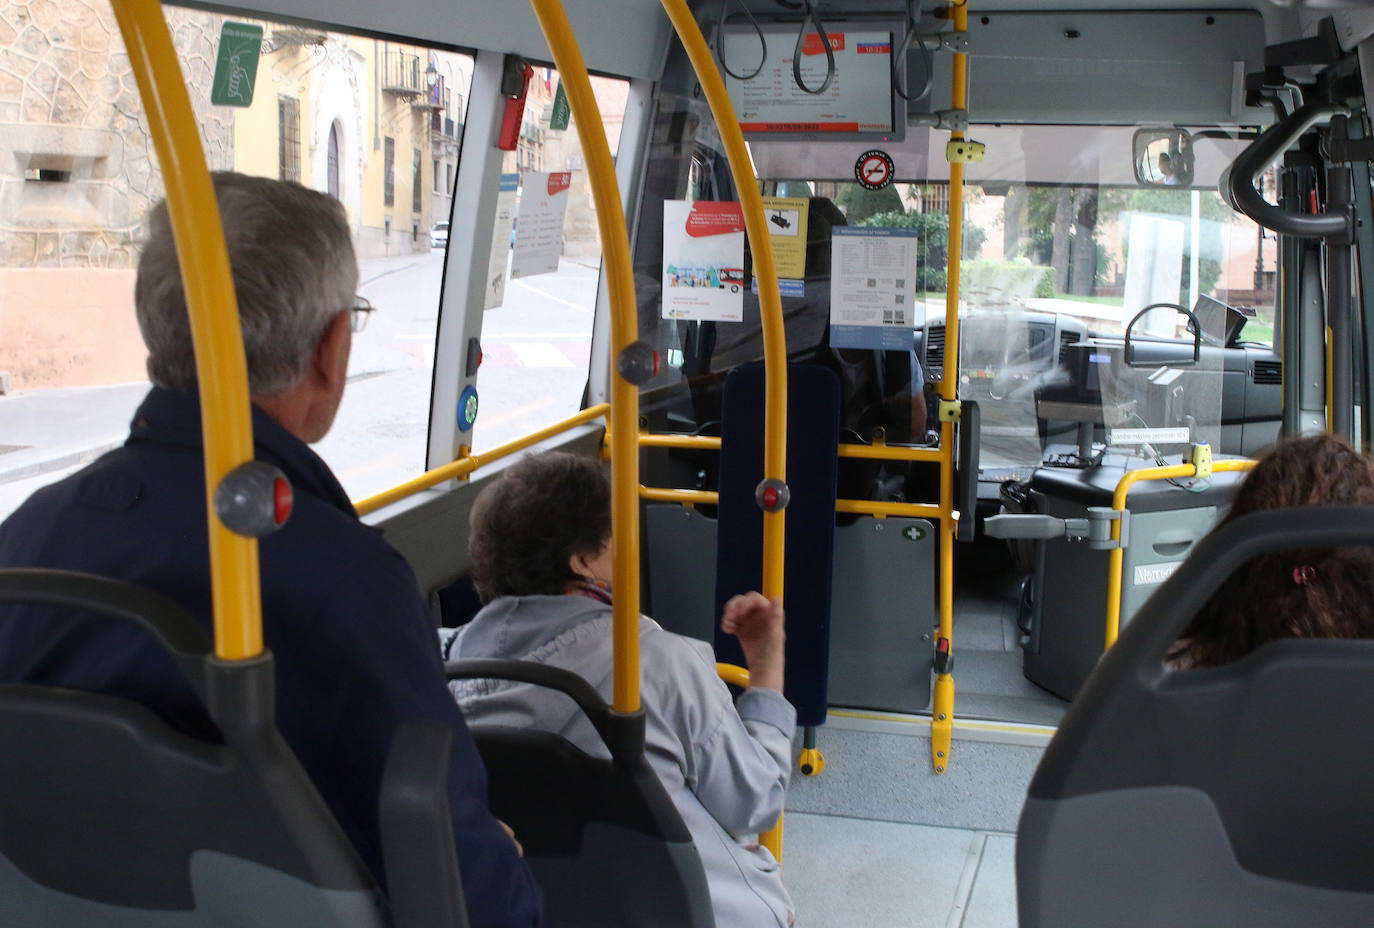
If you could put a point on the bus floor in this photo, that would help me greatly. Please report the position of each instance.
(988, 679)
(878, 838)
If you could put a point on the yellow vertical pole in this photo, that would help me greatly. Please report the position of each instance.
(615, 249)
(942, 725)
(226, 423)
(770, 303)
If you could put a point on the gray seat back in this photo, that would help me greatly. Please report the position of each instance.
(603, 837)
(1230, 795)
(111, 816)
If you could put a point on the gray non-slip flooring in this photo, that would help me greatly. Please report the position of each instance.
(853, 873)
(878, 838)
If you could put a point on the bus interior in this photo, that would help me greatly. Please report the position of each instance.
(1164, 220)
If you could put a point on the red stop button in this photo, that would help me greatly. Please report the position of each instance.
(282, 500)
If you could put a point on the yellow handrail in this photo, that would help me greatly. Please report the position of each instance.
(880, 452)
(464, 466)
(226, 421)
(1117, 555)
(689, 497)
(615, 249)
(736, 675)
(770, 302)
(882, 509)
(733, 674)
(891, 453)
(942, 725)
(668, 440)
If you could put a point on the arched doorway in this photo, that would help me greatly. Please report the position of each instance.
(333, 163)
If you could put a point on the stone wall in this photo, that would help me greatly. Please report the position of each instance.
(78, 175)
(69, 107)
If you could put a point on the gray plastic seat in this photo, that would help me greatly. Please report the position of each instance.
(603, 838)
(109, 816)
(1235, 795)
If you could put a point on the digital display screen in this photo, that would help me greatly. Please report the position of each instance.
(858, 104)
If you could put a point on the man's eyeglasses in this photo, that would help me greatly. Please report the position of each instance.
(362, 311)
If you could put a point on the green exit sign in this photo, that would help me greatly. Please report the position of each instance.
(236, 65)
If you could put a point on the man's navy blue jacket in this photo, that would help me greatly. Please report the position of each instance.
(356, 653)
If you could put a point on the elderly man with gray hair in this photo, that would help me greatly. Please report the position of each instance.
(353, 640)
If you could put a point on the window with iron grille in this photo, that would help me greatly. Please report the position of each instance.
(389, 177)
(289, 138)
(415, 183)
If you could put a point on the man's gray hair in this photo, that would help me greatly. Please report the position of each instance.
(291, 254)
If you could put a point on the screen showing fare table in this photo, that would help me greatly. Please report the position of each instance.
(858, 100)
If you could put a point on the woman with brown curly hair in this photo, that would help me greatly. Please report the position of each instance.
(1324, 593)
(540, 536)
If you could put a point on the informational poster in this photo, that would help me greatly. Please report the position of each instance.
(873, 288)
(506, 203)
(703, 261)
(539, 227)
(787, 232)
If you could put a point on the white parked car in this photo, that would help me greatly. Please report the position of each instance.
(438, 236)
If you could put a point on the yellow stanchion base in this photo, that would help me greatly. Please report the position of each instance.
(810, 762)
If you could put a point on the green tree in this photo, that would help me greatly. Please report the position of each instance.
(859, 202)
(932, 242)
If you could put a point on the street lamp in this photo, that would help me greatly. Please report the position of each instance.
(431, 74)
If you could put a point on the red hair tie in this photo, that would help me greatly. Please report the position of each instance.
(1303, 574)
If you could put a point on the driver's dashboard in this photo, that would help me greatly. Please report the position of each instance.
(1007, 357)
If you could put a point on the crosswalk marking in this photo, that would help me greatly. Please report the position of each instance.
(539, 354)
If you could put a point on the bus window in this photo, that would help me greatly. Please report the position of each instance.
(375, 123)
(545, 265)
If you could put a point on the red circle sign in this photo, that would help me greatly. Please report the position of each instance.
(874, 169)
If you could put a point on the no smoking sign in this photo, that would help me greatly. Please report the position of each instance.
(874, 169)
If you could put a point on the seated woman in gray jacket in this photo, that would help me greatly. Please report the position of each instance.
(541, 548)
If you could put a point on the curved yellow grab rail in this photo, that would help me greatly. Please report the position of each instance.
(226, 422)
(735, 675)
(464, 466)
(942, 725)
(1117, 555)
(615, 249)
(770, 303)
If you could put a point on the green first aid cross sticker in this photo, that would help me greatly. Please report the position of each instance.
(236, 65)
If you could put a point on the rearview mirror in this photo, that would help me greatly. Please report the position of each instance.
(1162, 157)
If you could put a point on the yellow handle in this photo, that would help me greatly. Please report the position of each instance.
(226, 422)
(1117, 555)
(615, 247)
(736, 675)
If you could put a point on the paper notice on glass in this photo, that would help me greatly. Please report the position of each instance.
(500, 241)
(539, 226)
(703, 261)
(873, 288)
(787, 232)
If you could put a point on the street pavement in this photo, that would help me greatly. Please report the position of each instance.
(534, 369)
